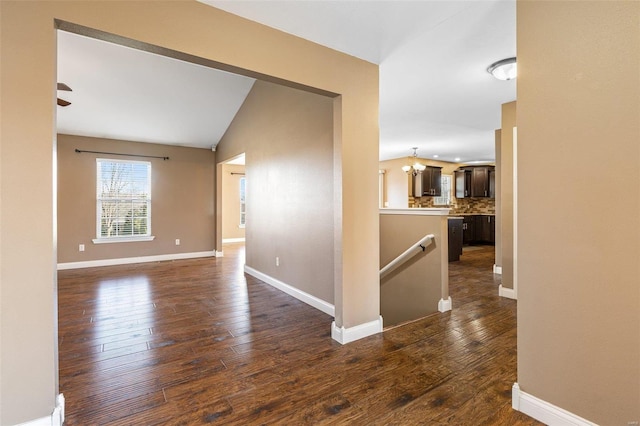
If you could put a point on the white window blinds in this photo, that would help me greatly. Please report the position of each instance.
(123, 199)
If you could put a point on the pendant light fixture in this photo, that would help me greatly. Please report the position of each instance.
(416, 168)
(505, 69)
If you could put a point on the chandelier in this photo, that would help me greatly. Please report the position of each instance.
(417, 167)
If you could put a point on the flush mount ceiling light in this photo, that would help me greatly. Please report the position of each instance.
(417, 167)
(505, 69)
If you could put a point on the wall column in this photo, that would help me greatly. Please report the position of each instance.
(356, 227)
(506, 166)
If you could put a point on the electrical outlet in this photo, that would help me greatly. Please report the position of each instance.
(277, 261)
(177, 241)
(81, 247)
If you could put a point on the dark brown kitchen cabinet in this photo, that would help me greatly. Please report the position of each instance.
(429, 182)
(492, 230)
(475, 181)
(492, 183)
(468, 229)
(480, 182)
(483, 228)
(463, 183)
(479, 229)
(455, 238)
(432, 181)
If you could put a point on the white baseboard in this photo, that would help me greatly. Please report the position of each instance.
(307, 298)
(219, 253)
(509, 293)
(55, 419)
(233, 240)
(445, 305)
(543, 411)
(129, 260)
(497, 269)
(347, 335)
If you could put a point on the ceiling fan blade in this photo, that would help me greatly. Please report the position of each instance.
(62, 86)
(63, 103)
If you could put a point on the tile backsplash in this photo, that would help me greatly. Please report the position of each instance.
(459, 205)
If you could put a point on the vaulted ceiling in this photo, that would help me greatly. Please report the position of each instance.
(435, 93)
(129, 94)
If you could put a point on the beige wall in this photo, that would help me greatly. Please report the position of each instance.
(396, 183)
(182, 205)
(28, 364)
(414, 289)
(578, 142)
(506, 192)
(231, 175)
(287, 137)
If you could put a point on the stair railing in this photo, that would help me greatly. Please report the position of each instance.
(407, 254)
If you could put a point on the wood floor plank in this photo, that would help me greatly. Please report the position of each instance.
(197, 342)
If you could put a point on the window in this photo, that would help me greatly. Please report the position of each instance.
(123, 210)
(445, 198)
(243, 212)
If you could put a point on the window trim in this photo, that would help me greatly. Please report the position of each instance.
(120, 238)
(109, 240)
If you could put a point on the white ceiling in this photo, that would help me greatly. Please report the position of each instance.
(435, 93)
(123, 93)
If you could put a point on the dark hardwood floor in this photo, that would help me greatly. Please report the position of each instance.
(198, 342)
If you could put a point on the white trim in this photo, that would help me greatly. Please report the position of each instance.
(515, 213)
(307, 298)
(233, 240)
(129, 260)
(123, 239)
(419, 212)
(381, 188)
(497, 269)
(445, 305)
(219, 253)
(509, 293)
(55, 419)
(347, 335)
(515, 396)
(544, 411)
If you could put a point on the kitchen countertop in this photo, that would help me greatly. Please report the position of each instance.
(417, 211)
(471, 214)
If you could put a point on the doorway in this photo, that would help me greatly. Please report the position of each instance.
(234, 205)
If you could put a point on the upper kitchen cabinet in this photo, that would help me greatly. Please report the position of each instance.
(428, 183)
(480, 182)
(463, 183)
(432, 181)
(492, 182)
(475, 181)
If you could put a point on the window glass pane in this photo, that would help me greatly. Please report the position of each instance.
(123, 198)
(445, 198)
(242, 201)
